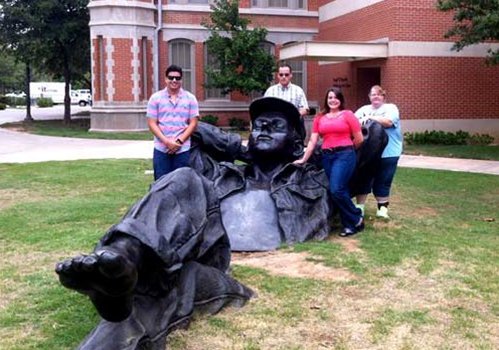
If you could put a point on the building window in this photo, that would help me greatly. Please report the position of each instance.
(282, 4)
(298, 68)
(269, 48)
(299, 71)
(211, 61)
(181, 53)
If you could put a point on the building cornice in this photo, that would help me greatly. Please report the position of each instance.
(121, 3)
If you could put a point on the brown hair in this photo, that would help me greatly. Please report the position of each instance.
(339, 95)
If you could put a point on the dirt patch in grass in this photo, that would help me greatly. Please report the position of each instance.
(9, 197)
(406, 310)
(350, 245)
(292, 265)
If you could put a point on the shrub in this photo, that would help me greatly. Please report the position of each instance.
(480, 139)
(239, 124)
(210, 119)
(435, 137)
(4, 99)
(16, 101)
(2, 106)
(44, 102)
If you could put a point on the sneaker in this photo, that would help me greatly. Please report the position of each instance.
(361, 207)
(382, 213)
(347, 232)
(360, 226)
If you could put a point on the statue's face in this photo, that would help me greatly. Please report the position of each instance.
(271, 134)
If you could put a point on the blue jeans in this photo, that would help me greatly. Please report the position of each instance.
(339, 168)
(164, 163)
(381, 182)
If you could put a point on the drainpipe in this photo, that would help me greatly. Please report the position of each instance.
(156, 45)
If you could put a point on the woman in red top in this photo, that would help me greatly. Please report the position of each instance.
(341, 134)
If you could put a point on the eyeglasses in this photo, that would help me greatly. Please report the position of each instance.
(284, 74)
(174, 78)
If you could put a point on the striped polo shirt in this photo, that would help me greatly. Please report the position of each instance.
(173, 118)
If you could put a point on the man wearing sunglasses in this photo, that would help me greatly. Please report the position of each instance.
(288, 91)
(172, 117)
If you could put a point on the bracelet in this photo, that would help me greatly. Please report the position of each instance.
(179, 141)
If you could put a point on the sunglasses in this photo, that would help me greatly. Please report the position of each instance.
(284, 74)
(174, 78)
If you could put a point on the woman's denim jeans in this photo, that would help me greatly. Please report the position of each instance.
(339, 167)
(164, 163)
(381, 181)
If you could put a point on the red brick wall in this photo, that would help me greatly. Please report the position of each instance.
(443, 88)
(96, 71)
(284, 21)
(122, 70)
(339, 75)
(425, 87)
(199, 62)
(163, 61)
(396, 19)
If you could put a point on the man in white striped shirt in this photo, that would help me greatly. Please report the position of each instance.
(288, 91)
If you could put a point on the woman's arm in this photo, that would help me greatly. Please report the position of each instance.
(357, 139)
(314, 138)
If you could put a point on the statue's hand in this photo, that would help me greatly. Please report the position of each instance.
(364, 120)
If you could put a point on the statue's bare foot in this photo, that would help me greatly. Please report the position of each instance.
(106, 276)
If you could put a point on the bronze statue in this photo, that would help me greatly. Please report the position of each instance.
(171, 252)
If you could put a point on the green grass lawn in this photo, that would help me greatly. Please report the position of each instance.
(490, 152)
(426, 279)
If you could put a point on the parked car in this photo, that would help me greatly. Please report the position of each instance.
(82, 99)
(86, 97)
(18, 94)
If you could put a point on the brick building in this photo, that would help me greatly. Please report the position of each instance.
(349, 43)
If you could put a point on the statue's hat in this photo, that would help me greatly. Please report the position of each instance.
(274, 104)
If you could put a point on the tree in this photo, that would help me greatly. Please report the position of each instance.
(11, 73)
(242, 64)
(53, 35)
(475, 21)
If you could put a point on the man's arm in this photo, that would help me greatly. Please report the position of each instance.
(170, 144)
(193, 123)
(303, 106)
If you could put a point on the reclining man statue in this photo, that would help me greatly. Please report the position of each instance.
(171, 252)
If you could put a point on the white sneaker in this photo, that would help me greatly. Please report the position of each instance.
(361, 207)
(382, 213)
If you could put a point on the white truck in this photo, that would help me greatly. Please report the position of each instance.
(52, 90)
(55, 91)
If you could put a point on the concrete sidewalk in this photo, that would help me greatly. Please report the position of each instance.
(16, 147)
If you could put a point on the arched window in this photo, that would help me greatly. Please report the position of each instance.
(181, 53)
(212, 93)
